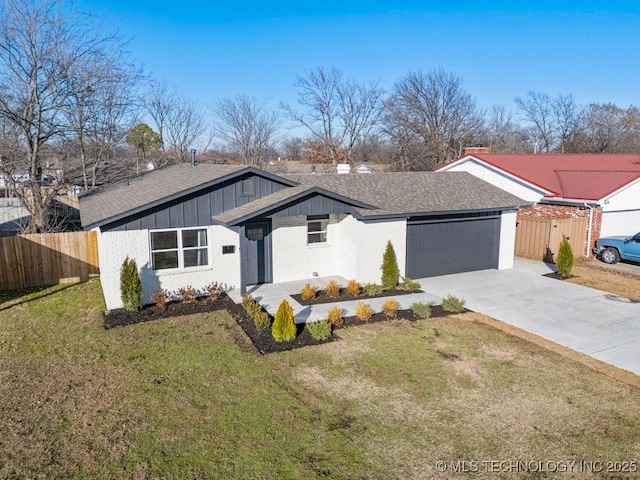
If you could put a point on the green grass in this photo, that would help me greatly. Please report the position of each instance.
(178, 398)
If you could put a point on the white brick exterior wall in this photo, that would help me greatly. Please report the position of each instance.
(507, 240)
(353, 250)
(293, 259)
(114, 247)
(363, 244)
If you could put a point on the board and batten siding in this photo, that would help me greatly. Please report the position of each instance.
(196, 210)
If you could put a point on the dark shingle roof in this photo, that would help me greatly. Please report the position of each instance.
(153, 188)
(415, 192)
(382, 195)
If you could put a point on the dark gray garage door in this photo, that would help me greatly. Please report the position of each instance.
(456, 246)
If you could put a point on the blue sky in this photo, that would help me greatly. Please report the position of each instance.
(501, 49)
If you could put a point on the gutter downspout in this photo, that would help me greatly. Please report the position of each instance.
(589, 230)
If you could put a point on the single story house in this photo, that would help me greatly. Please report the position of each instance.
(603, 188)
(195, 224)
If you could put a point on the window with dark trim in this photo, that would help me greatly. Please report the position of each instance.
(317, 228)
(179, 248)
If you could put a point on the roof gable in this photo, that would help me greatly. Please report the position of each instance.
(157, 187)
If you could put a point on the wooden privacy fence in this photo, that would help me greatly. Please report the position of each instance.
(36, 260)
(540, 238)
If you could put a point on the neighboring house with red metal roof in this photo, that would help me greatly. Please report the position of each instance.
(197, 224)
(604, 187)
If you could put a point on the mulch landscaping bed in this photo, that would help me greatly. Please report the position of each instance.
(322, 297)
(261, 339)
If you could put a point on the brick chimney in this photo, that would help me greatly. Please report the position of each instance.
(476, 150)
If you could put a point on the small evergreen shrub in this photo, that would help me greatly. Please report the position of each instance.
(334, 315)
(422, 310)
(409, 285)
(188, 294)
(364, 312)
(130, 285)
(319, 330)
(353, 288)
(250, 305)
(308, 292)
(390, 270)
(284, 326)
(215, 291)
(372, 289)
(332, 290)
(160, 298)
(390, 307)
(565, 260)
(261, 320)
(452, 304)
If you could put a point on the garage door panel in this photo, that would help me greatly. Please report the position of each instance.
(448, 247)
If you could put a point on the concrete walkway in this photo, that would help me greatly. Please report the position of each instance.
(271, 294)
(596, 323)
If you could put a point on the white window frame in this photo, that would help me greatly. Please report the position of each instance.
(181, 249)
(323, 232)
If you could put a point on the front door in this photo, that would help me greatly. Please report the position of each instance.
(256, 253)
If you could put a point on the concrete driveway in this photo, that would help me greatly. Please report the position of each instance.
(589, 321)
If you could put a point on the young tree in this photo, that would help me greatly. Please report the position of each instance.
(390, 270)
(564, 260)
(143, 139)
(246, 127)
(284, 327)
(130, 285)
(335, 110)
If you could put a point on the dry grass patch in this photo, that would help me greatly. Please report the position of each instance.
(177, 398)
(590, 273)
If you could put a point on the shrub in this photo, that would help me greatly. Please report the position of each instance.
(353, 288)
(160, 298)
(409, 285)
(332, 289)
(364, 312)
(261, 320)
(251, 306)
(319, 330)
(389, 267)
(130, 285)
(215, 290)
(284, 326)
(564, 261)
(452, 304)
(422, 310)
(188, 294)
(308, 292)
(334, 315)
(390, 307)
(372, 289)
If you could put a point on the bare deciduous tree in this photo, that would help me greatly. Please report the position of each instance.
(565, 112)
(335, 110)
(430, 117)
(246, 127)
(100, 109)
(41, 52)
(537, 109)
(179, 121)
(607, 128)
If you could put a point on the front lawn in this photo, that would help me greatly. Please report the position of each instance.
(179, 398)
